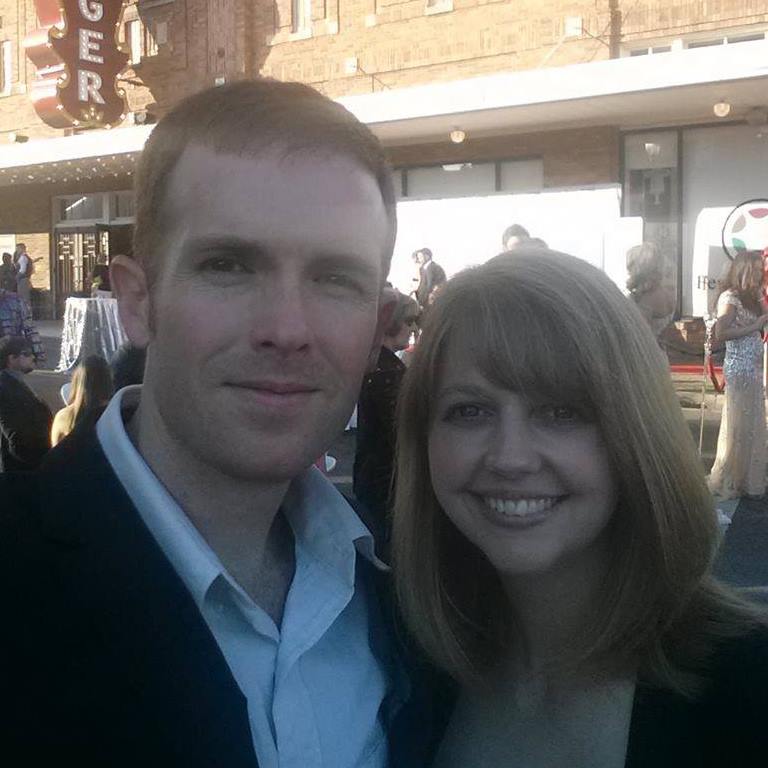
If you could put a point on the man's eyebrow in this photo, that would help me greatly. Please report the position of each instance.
(351, 262)
(223, 243)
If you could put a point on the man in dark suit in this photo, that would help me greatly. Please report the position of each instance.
(184, 588)
(431, 276)
(25, 420)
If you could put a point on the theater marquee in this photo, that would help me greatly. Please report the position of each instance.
(78, 61)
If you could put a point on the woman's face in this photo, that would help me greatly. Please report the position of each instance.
(530, 484)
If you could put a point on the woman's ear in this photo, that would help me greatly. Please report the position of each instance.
(129, 284)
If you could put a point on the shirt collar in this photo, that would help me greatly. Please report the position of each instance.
(323, 522)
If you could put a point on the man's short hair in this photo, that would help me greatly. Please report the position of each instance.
(245, 118)
(426, 253)
(514, 230)
(12, 346)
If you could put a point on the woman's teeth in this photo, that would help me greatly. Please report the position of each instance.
(520, 507)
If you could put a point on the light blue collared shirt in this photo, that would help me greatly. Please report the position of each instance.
(314, 686)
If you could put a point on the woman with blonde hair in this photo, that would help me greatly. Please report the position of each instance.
(89, 395)
(740, 462)
(553, 536)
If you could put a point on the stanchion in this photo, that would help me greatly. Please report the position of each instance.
(709, 322)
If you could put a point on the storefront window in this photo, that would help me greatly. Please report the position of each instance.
(123, 205)
(80, 207)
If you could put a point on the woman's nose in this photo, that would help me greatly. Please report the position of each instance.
(513, 449)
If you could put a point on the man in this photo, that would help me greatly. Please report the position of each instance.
(25, 421)
(514, 236)
(431, 276)
(205, 598)
(24, 269)
(16, 320)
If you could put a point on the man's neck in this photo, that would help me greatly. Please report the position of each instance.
(239, 520)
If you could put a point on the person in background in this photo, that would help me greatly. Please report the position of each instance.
(8, 274)
(645, 283)
(100, 285)
(24, 269)
(431, 276)
(375, 442)
(128, 366)
(25, 420)
(16, 320)
(88, 397)
(740, 461)
(553, 536)
(514, 236)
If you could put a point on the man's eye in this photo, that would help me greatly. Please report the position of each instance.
(223, 264)
(339, 280)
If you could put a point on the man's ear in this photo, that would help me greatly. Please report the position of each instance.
(129, 283)
(387, 304)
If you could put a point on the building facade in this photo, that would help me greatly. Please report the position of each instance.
(591, 123)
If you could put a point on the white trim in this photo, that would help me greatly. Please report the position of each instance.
(718, 64)
(117, 141)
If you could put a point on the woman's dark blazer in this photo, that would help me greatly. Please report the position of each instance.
(725, 727)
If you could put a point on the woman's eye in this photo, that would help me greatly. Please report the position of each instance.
(558, 414)
(466, 413)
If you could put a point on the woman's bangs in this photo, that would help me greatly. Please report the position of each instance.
(520, 344)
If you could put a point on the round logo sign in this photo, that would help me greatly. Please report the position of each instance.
(746, 228)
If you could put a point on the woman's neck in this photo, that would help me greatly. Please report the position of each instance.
(553, 610)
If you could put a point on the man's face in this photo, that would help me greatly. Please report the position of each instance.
(24, 362)
(266, 309)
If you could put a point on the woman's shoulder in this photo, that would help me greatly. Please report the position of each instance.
(727, 297)
(740, 664)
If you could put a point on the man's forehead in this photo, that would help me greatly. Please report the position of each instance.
(277, 195)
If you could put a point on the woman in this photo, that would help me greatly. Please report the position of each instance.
(374, 453)
(740, 463)
(89, 395)
(553, 536)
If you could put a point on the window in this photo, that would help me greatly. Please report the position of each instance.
(134, 37)
(157, 35)
(301, 15)
(471, 179)
(80, 207)
(6, 67)
(123, 205)
(521, 176)
(680, 44)
(452, 180)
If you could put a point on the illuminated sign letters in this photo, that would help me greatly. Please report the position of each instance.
(78, 61)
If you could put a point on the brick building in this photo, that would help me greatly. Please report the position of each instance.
(591, 122)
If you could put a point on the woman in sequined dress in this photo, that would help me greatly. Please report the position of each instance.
(740, 464)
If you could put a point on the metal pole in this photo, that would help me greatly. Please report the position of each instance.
(709, 322)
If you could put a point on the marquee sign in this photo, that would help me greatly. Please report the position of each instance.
(78, 60)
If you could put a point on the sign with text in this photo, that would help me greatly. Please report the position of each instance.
(78, 61)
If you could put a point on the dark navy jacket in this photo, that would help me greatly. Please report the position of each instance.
(104, 658)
